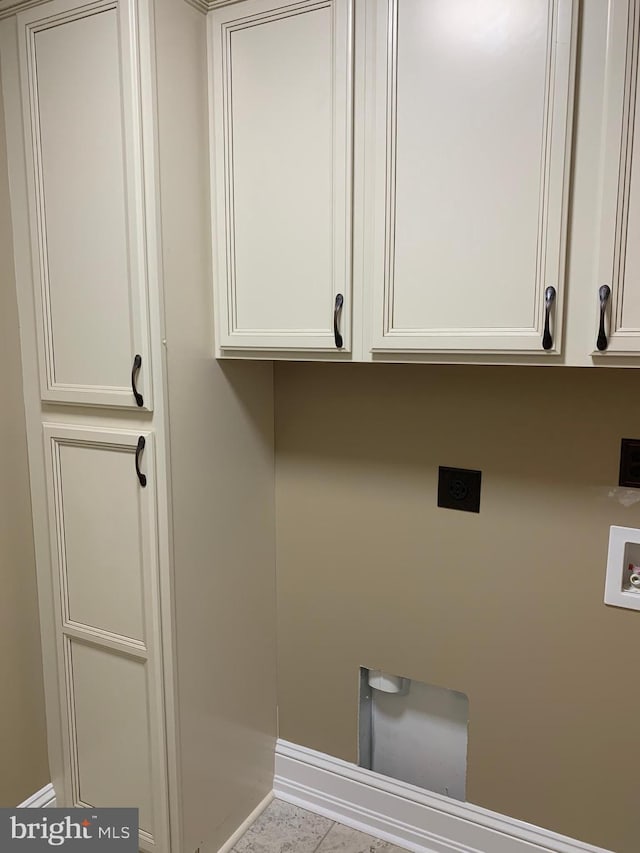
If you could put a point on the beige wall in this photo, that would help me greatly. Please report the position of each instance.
(23, 755)
(506, 606)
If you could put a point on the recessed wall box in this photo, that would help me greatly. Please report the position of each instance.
(622, 586)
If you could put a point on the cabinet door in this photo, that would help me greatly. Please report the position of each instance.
(81, 109)
(616, 328)
(282, 104)
(469, 119)
(104, 559)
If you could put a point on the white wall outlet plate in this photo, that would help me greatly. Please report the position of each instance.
(622, 586)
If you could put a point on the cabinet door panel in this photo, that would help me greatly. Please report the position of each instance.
(282, 146)
(109, 696)
(619, 256)
(103, 538)
(105, 574)
(472, 104)
(80, 112)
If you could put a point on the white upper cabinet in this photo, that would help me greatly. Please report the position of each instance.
(469, 105)
(281, 157)
(616, 293)
(494, 216)
(84, 173)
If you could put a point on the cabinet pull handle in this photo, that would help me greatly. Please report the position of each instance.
(137, 364)
(603, 293)
(336, 314)
(139, 448)
(549, 298)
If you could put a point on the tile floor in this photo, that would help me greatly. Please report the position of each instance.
(283, 828)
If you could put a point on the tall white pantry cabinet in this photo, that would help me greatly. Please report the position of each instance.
(151, 466)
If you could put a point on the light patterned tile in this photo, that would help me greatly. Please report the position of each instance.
(343, 839)
(283, 828)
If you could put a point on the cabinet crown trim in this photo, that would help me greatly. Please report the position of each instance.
(207, 5)
(200, 5)
(12, 7)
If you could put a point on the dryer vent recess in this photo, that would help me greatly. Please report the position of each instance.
(414, 732)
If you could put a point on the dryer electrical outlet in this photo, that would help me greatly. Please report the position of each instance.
(459, 488)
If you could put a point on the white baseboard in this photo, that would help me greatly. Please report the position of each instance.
(244, 826)
(404, 814)
(45, 798)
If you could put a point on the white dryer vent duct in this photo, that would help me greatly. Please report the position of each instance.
(380, 680)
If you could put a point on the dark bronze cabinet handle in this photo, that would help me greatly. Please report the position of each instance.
(336, 314)
(139, 448)
(603, 294)
(137, 363)
(549, 298)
